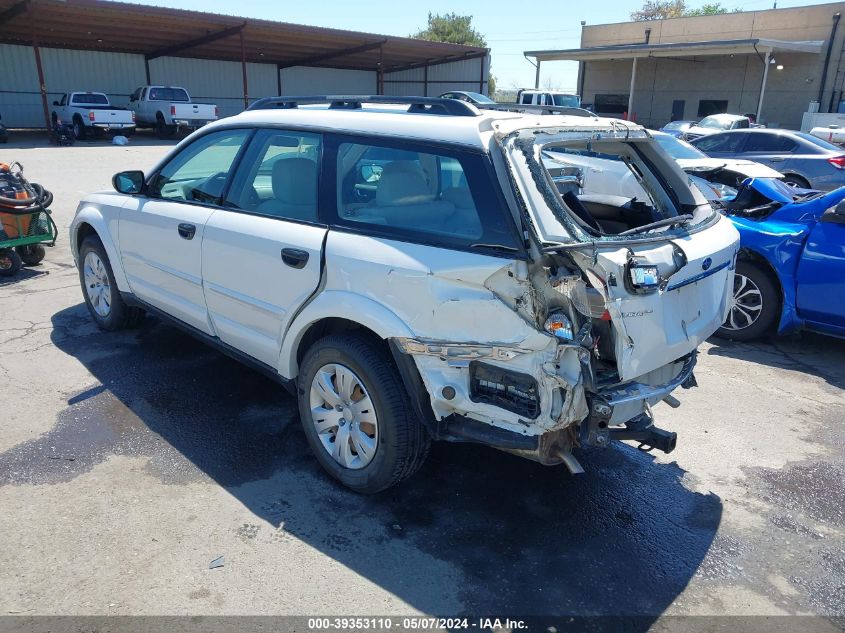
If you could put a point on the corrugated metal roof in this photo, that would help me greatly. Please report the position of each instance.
(100, 25)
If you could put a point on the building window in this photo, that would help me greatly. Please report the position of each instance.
(706, 107)
(611, 104)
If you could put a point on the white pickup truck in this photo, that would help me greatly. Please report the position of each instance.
(168, 108)
(89, 112)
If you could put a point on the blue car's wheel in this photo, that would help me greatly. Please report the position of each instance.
(754, 305)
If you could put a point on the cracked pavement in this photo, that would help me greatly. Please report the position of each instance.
(129, 461)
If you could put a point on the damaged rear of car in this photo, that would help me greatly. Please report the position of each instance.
(612, 301)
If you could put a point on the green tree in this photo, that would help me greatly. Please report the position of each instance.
(659, 10)
(455, 29)
(451, 28)
(662, 9)
(713, 8)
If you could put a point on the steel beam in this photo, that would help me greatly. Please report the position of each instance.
(13, 11)
(437, 62)
(323, 57)
(198, 41)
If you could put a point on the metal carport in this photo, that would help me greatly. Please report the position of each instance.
(156, 32)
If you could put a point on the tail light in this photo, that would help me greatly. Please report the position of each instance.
(172, 110)
(642, 277)
(838, 162)
(133, 116)
(216, 112)
(91, 115)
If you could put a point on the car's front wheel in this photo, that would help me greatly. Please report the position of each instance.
(755, 304)
(356, 414)
(100, 291)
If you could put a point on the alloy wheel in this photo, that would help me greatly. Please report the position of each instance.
(746, 304)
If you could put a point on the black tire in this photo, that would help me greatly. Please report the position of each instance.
(31, 254)
(163, 130)
(79, 132)
(10, 262)
(796, 181)
(769, 299)
(120, 315)
(403, 442)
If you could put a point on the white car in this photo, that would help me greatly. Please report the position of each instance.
(407, 269)
(716, 123)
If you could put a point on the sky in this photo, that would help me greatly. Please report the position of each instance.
(509, 26)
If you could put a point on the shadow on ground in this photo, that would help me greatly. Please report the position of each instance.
(480, 530)
(809, 353)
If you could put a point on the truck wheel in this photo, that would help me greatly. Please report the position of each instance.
(755, 304)
(31, 254)
(102, 297)
(162, 129)
(356, 414)
(78, 129)
(10, 262)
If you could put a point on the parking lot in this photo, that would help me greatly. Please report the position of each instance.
(129, 461)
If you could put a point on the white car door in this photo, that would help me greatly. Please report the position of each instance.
(161, 231)
(261, 255)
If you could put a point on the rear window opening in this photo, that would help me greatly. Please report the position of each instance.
(609, 187)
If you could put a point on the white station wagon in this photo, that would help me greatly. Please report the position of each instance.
(411, 271)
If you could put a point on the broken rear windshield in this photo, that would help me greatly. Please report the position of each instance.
(610, 184)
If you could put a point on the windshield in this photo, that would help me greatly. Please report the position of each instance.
(480, 98)
(168, 94)
(678, 149)
(601, 184)
(677, 125)
(714, 123)
(91, 98)
(567, 101)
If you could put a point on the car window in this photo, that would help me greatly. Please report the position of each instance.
(727, 143)
(567, 101)
(678, 149)
(168, 94)
(198, 173)
(741, 124)
(90, 99)
(771, 143)
(442, 198)
(818, 143)
(278, 176)
(64, 100)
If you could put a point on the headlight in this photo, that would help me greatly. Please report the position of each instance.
(560, 326)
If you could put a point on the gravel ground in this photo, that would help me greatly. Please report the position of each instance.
(129, 461)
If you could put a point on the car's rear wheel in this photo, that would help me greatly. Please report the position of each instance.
(755, 304)
(78, 129)
(100, 291)
(356, 414)
(796, 181)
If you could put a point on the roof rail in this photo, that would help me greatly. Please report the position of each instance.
(418, 105)
(525, 108)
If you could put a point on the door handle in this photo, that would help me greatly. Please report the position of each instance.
(187, 231)
(776, 159)
(294, 257)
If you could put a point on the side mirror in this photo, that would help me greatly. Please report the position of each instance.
(129, 182)
(835, 215)
(55, 103)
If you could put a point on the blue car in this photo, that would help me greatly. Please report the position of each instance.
(790, 272)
